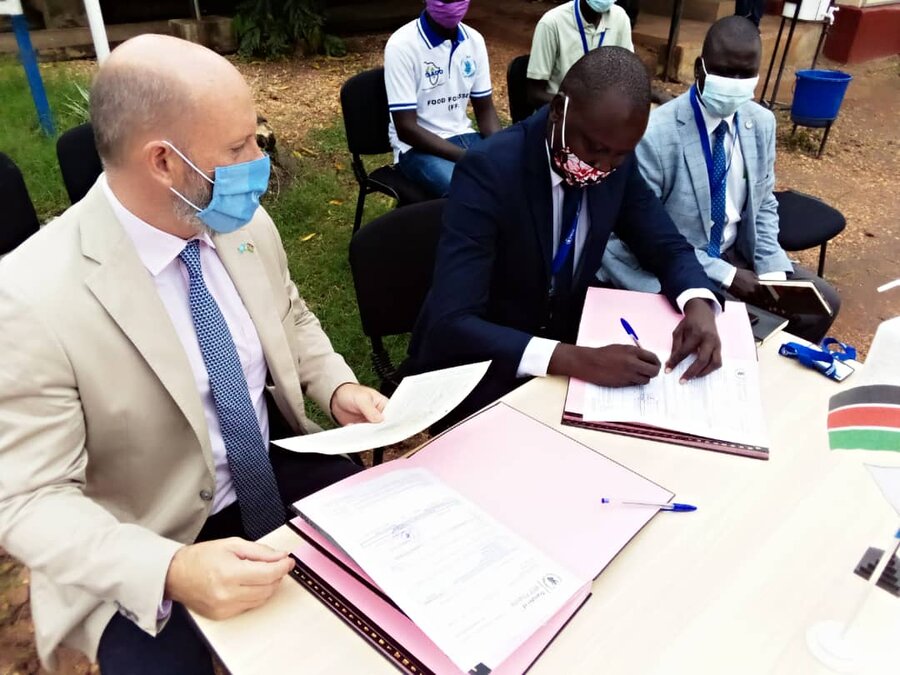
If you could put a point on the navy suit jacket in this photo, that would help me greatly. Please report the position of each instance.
(489, 296)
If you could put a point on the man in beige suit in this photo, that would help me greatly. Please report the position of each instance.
(152, 343)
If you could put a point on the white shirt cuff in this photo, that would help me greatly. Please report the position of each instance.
(536, 357)
(773, 276)
(727, 281)
(691, 293)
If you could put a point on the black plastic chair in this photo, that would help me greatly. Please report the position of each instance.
(805, 222)
(78, 160)
(19, 218)
(365, 109)
(520, 107)
(392, 260)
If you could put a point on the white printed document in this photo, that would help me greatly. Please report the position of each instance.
(474, 587)
(724, 405)
(419, 402)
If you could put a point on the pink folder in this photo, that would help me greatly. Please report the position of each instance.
(654, 319)
(538, 482)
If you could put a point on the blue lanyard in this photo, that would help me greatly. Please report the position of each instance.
(565, 248)
(716, 183)
(819, 359)
(580, 24)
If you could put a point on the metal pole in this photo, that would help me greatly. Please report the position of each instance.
(825, 27)
(33, 74)
(762, 96)
(787, 48)
(98, 30)
(674, 26)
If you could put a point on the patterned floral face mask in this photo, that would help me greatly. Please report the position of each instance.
(575, 172)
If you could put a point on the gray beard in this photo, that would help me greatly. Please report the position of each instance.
(199, 192)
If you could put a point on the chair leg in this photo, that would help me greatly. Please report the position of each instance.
(821, 270)
(824, 140)
(360, 204)
(794, 130)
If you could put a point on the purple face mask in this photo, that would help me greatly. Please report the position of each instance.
(447, 14)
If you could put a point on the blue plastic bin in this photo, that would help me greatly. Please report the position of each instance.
(818, 95)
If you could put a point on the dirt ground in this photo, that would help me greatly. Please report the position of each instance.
(858, 175)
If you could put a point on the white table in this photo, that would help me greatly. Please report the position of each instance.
(731, 588)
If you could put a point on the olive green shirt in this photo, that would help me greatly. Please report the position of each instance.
(557, 42)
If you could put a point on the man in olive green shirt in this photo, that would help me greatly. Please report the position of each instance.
(565, 34)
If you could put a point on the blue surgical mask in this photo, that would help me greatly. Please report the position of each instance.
(235, 194)
(722, 96)
(600, 6)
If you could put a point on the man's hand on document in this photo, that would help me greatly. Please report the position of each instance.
(222, 578)
(610, 366)
(696, 334)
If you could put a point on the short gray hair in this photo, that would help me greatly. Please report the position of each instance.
(127, 101)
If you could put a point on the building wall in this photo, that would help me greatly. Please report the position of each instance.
(864, 33)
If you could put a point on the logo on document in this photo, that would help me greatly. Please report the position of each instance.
(468, 67)
(433, 73)
(550, 581)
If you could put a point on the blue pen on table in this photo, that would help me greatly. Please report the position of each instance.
(631, 333)
(674, 506)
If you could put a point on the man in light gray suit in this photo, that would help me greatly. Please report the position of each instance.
(709, 155)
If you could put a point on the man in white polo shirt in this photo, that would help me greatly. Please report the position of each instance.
(565, 34)
(432, 67)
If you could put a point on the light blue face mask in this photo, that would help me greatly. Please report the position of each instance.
(235, 194)
(722, 96)
(600, 6)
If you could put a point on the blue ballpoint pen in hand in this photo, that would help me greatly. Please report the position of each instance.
(674, 506)
(631, 333)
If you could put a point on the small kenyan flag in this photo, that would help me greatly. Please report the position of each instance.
(865, 418)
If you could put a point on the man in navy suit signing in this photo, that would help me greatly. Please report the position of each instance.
(527, 220)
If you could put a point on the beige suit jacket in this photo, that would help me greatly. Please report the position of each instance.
(104, 448)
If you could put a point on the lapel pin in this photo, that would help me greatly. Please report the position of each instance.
(246, 247)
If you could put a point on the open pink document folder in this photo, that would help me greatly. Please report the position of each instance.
(533, 479)
(601, 325)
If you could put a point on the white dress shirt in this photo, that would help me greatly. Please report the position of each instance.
(735, 186)
(159, 251)
(536, 357)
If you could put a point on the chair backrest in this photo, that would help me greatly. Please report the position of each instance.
(516, 87)
(805, 221)
(78, 160)
(392, 261)
(365, 108)
(19, 218)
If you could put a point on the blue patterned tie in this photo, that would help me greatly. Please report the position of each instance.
(717, 191)
(248, 458)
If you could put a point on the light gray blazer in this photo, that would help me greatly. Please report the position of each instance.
(671, 159)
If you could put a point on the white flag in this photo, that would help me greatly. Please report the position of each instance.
(888, 479)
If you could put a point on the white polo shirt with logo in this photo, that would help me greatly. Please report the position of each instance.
(563, 36)
(435, 77)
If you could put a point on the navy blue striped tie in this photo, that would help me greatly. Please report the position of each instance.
(717, 191)
(248, 457)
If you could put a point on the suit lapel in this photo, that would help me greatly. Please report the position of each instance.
(244, 266)
(747, 137)
(696, 162)
(538, 193)
(126, 290)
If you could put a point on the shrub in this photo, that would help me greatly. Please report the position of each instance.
(273, 28)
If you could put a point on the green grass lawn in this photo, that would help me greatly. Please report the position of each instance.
(21, 137)
(320, 200)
